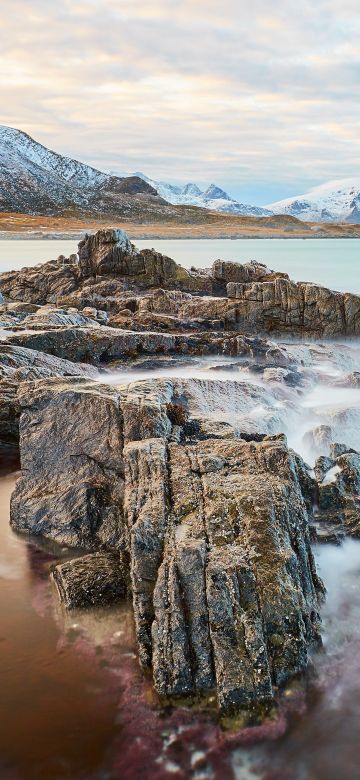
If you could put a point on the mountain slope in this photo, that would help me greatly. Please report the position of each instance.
(33, 179)
(213, 198)
(334, 201)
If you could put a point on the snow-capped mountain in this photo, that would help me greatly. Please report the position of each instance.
(213, 198)
(334, 201)
(33, 179)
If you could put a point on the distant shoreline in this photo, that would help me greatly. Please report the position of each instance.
(9, 236)
(15, 226)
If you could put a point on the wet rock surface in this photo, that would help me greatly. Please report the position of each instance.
(71, 488)
(224, 587)
(93, 580)
(338, 492)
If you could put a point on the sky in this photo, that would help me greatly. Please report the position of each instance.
(261, 98)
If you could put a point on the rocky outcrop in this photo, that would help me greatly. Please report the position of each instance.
(234, 602)
(94, 580)
(112, 275)
(71, 488)
(215, 530)
(42, 283)
(110, 253)
(338, 492)
(282, 305)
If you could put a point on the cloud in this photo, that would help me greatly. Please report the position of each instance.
(246, 94)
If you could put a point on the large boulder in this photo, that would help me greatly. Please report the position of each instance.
(94, 580)
(18, 364)
(71, 488)
(111, 253)
(215, 528)
(225, 591)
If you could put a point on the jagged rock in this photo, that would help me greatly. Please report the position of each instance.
(21, 364)
(40, 284)
(223, 581)
(94, 580)
(71, 488)
(18, 365)
(227, 271)
(107, 253)
(322, 465)
(339, 490)
(235, 598)
(110, 253)
(110, 268)
(282, 304)
(52, 317)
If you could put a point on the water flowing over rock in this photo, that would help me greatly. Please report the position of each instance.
(183, 492)
(338, 493)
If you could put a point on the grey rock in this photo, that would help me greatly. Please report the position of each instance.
(71, 488)
(216, 530)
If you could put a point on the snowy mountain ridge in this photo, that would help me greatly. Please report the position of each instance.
(333, 201)
(213, 198)
(34, 179)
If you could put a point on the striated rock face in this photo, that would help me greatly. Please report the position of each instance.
(281, 305)
(21, 363)
(111, 253)
(107, 253)
(223, 582)
(18, 364)
(42, 283)
(235, 599)
(9, 415)
(71, 488)
(226, 272)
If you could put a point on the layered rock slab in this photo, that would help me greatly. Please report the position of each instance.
(281, 304)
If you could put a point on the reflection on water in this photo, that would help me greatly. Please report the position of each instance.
(59, 687)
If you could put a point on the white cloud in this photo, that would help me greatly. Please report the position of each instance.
(237, 92)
